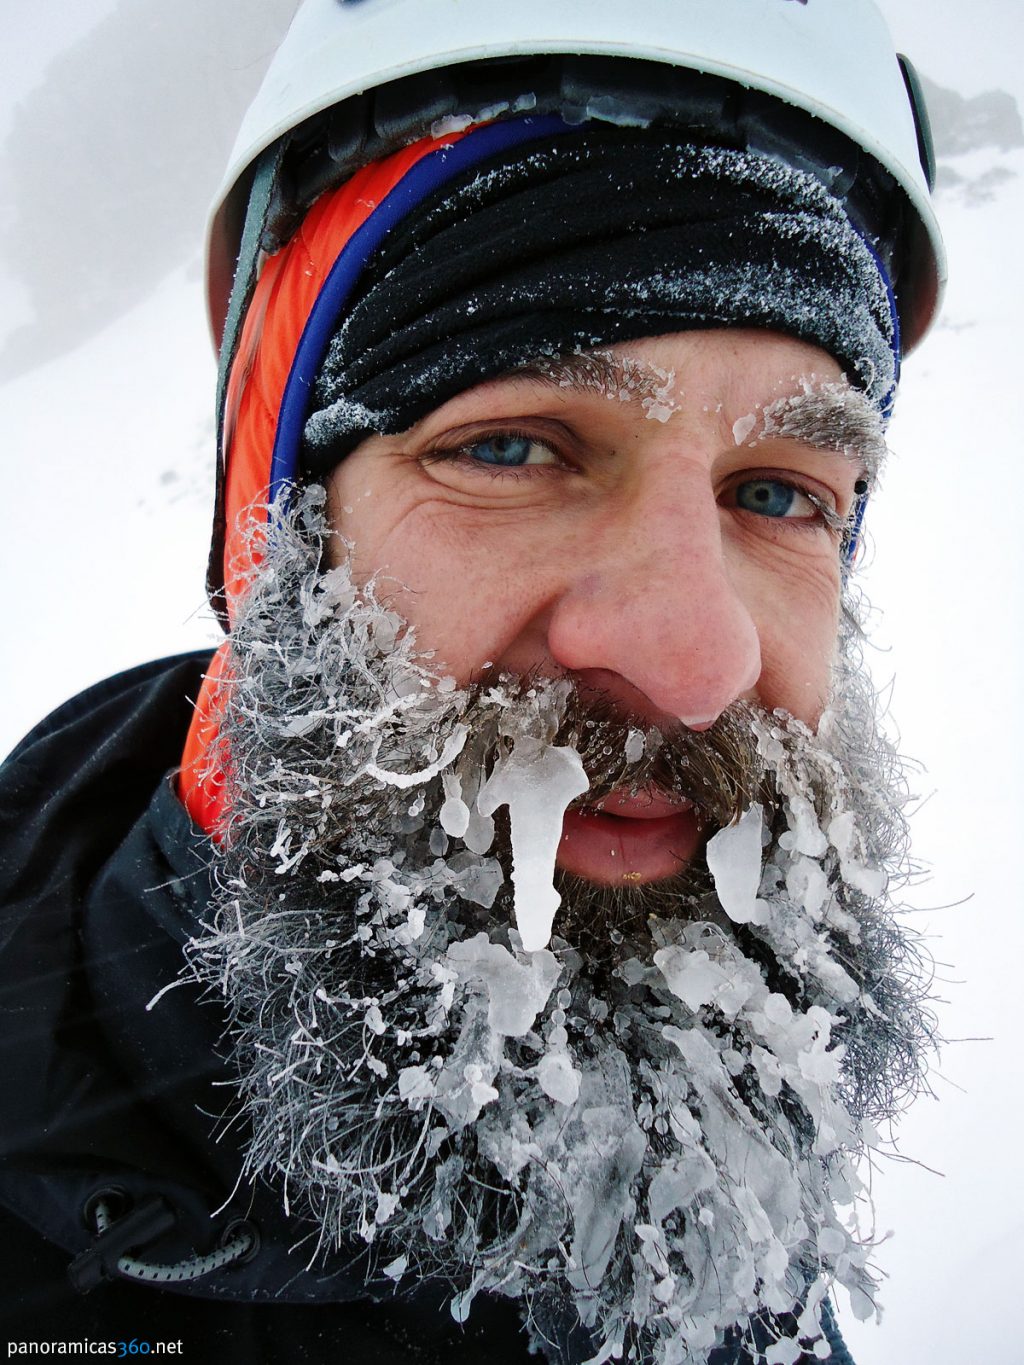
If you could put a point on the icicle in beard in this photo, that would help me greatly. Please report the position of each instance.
(645, 1126)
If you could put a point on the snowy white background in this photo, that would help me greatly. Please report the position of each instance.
(114, 122)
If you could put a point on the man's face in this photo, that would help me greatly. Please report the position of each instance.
(631, 520)
(644, 1115)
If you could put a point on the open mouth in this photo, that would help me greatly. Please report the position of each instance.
(630, 837)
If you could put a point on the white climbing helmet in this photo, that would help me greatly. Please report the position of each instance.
(398, 66)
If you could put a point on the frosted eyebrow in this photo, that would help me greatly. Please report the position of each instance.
(835, 417)
(596, 372)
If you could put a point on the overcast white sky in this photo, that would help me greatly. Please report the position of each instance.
(969, 45)
(32, 34)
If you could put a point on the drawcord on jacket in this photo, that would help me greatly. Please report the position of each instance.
(117, 1238)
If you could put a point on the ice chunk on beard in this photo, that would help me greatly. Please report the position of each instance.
(425, 1086)
(539, 746)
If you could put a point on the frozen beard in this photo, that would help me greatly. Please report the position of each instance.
(645, 1123)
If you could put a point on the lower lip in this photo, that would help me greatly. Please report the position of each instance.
(611, 849)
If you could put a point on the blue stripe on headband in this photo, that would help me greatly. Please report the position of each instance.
(421, 180)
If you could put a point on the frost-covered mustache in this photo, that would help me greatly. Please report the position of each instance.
(718, 775)
(718, 770)
(538, 747)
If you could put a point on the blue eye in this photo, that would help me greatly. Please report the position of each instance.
(770, 498)
(507, 450)
(501, 451)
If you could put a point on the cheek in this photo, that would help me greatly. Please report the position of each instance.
(462, 581)
(359, 514)
(798, 626)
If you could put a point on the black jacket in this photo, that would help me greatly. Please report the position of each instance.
(109, 1095)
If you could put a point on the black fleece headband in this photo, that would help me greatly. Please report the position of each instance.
(607, 235)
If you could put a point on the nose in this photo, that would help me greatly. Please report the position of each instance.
(651, 602)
